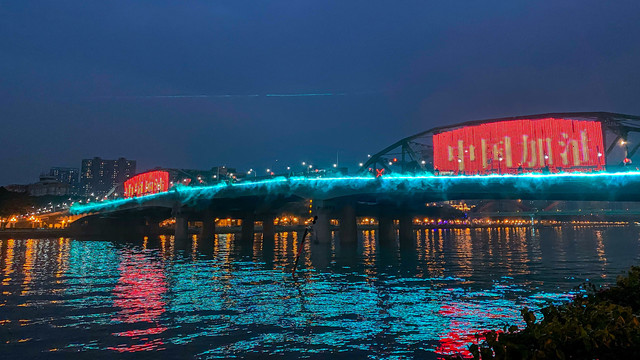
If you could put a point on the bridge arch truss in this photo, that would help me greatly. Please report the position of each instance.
(414, 154)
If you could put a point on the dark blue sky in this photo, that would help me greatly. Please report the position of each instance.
(86, 78)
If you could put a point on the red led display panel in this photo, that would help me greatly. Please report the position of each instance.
(147, 183)
(520, 146)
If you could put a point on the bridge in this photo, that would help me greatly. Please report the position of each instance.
(542, 157)
(387, 198)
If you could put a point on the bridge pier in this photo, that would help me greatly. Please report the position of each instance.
(322, 229)
(208, 230)
(268, 228)
(181, 233)
(348, 224)
(386, 231)
(405, 230)
(152, 228)
(248, 227)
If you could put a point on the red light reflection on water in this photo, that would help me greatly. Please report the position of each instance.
(139, 295)
(462, 332)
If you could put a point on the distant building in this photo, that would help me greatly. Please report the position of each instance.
(99, 176)
(48, 185)
(19, 188)
(67, 175)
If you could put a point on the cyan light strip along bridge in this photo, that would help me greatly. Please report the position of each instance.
(566, 186)
(388, 198)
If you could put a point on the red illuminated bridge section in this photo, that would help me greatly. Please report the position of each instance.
(521, 146)
(147, 183)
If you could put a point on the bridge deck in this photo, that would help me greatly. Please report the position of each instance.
(600, 186)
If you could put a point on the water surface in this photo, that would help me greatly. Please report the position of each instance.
(223, 299)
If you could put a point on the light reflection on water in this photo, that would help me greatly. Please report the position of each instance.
(225, 298)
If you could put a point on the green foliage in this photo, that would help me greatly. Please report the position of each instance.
(625, 293)
(603, 324)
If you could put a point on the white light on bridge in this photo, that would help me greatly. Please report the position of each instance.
(360, 164)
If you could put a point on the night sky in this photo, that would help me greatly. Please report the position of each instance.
(200, 84)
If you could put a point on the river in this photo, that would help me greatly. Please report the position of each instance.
(148, 299)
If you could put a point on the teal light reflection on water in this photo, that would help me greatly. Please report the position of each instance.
(227, 299)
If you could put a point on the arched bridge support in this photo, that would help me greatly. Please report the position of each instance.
(122, 225)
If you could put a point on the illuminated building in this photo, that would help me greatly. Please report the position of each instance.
(66, 175)
(99, 176)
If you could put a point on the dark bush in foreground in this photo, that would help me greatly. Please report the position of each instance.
(602, 324)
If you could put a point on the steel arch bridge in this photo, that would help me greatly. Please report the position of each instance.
(415, 153)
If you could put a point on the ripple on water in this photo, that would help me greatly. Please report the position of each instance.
(107, 298)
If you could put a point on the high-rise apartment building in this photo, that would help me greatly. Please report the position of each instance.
(99, 176)
(68, 176)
